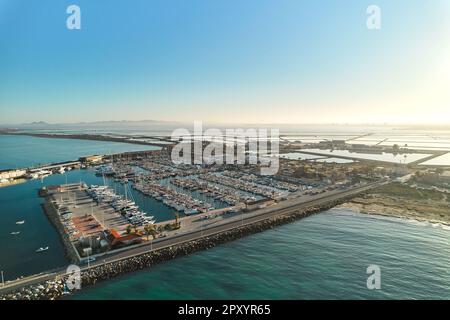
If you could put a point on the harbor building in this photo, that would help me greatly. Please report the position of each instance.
(92, 159)
(11, 174)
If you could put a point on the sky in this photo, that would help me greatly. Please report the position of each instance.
(242, 61)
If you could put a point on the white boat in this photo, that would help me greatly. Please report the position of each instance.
(15, 233)
(39, 174)
(20, 222)
(33, 175)
(42, 249)
(190, 211)
(44, 173)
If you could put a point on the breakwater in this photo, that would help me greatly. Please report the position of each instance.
(54, 289)
(96, 137)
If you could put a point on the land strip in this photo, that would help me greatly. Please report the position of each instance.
(404, 201)
(168, 248)
(96, 137)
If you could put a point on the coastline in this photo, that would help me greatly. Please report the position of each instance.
(55, 288)
(392, 214)
(87, 136)
(404, 201)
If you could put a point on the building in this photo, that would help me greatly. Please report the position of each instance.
(258, 204)
(400, 170)
(445, 177)
(92, 159)
(339, 142)
(116, 239)
(11, 174)
(429, 177)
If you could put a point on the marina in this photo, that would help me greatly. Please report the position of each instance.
(213, 233)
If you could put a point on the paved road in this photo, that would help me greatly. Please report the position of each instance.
(282, 208)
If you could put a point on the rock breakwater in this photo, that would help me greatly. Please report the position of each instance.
(54, 289)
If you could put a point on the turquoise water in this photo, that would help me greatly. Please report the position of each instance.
(21, 202)
(321, 257)
(26, 151)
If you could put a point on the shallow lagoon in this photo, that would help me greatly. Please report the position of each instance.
(388, 157)
(443, 160)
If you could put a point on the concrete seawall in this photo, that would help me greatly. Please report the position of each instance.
(54, 289)
(52, 216)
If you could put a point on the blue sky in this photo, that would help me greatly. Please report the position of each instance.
(287, 61)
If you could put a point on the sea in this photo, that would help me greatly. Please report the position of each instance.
(324, 256)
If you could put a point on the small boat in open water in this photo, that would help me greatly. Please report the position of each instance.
(20, 222)
(15, 232)
(42, 249)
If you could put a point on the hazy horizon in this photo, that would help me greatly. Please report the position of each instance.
(168, 123)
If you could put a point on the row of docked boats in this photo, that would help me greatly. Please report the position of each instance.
(127, 208)
(122, 174)
(40, 174)
(228, 195)
(250, 187)
(65, 215)
(179, 201)
(264, 180)
(105, 170)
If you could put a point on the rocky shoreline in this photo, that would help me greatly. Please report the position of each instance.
(393, 212)
(51, 290)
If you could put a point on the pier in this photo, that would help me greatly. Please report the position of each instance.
(203, 234)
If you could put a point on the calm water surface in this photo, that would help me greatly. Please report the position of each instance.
(26, 151)
(21, 201)
(321, 257)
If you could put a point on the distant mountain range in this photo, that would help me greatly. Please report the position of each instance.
(166, 125)
(106, 122)
(94, 124)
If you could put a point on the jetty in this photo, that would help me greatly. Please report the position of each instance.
(202, 234)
